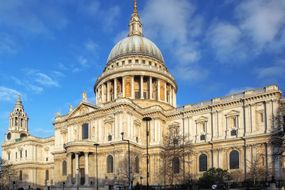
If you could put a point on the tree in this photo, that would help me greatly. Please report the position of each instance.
(277, 138)
(278, 134)
(176, 148)
(123, 168)
(213, 176)
(7, 174)
(257, 171)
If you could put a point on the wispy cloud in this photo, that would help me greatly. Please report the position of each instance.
(7, 44)
(45, 80)
(36, 81)
(8, 94)
(239, 90)
(108, 16)
(27, 84)
(224, 38)
(258, 27)
(23, 15)
(91, 46)
(170, 22)
(262, 20)
(274, 71)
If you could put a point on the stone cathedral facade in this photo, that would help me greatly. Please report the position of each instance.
(227, 132)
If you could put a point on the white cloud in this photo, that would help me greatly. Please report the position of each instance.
(7, 44)
(28, 85)
(45, 80)
(42, 131)
(225, 40)
(91, 46)
(239, 90)
(262, 20)
(22, 15)
(121, 35)
(272, 72)
(189, 73)
(8, 94)
(176, 26)
(168, 20)
(108, 16)
(82, 61)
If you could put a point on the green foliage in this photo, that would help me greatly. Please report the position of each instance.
(214, 176)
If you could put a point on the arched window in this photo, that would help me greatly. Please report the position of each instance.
(203, 165)
(234, 159)
(137, 165)
(176, 165)
(110, 166)
(64, 168)
(85, 131)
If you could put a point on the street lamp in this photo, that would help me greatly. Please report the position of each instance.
(129, 160)
(97, 183)
(147, 120)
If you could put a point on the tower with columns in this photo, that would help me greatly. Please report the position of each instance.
(18, 122)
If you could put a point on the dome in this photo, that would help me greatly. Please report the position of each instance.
(135, 45)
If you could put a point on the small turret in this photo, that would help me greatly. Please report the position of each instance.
(18, 122)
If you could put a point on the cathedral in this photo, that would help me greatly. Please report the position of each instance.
(119, 141)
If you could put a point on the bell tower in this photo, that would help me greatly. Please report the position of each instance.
(18, 122)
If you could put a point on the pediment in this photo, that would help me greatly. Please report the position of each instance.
(81, 110)
(232, 113)
(201, 119)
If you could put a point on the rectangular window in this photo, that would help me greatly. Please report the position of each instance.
(21, 175)
(261, 117)
(26, 153)
(109, 137)
(85, 131)
(21, 154)
(47, 175)
(16, 155)
(8, 156)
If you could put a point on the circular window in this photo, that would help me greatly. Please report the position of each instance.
(9, 136)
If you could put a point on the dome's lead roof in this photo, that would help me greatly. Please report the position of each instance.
(135, 45)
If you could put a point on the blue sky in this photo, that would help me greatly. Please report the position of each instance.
(52, 51)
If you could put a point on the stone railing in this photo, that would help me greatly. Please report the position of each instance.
(236, 96)
(79, 143)
(136, 66)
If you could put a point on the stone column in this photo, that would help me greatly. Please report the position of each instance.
(174, 98)
(170, 96)
(69, 169)
(158, 89)
(141, 87)
(133, 87)
(165, 91)
(86, 169)
(115, 88)
(123, 86)
(108, 92)
(150, 88)
(77, 169)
